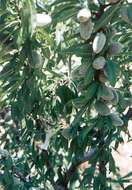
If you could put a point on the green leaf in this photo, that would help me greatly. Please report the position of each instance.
(65, 94)
(129, 187)
(64, 1)
(8, 163)
(78, 116)
(128, 175)
(66, 133)
(8, 179)
(126, 13)
(96, 183)
(102, 108)
(28, 18)
(91, 91)
(3, 4)
(112, 166)
(106, 17)
(65, 12)
(79, 102)
(89, 95)
(79, 50)
(112, 70)
(89, 76)
(84, 133)
(86, 96)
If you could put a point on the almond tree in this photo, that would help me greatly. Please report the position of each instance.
(65, 93)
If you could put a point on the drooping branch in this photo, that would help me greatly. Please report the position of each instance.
(62, 185)
(87, 157)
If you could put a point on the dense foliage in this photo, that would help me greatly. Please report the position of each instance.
(59, 106)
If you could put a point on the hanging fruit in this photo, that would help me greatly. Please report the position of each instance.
(99, 42)
(115, 48)
(116, 120)
(102, 108)
(86, 29)
(105, 93)
(99, 63)
(84, 15)
(43, 19)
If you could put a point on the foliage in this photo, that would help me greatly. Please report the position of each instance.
(50, 91)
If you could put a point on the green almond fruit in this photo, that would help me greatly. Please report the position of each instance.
(115, 48)
(102, 108)
(116, 120)
(99, 63)
(86, 29)
(106, 93)
(84, 15)
(99, 42)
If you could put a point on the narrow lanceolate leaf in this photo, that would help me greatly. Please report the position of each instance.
(126, 13)
(106, 17)
(105, 93)
(129, 187)
(28, 18)
(64, 1)
(88, 97)
(79, 115)
(111, 71)
(102, 108)
(65, 12)
(79, 49)
(89, 76)
(91, 91)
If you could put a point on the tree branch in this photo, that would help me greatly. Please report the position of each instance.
(87, 156)
(128, 115)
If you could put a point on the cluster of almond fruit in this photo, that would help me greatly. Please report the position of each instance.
(107, 96)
